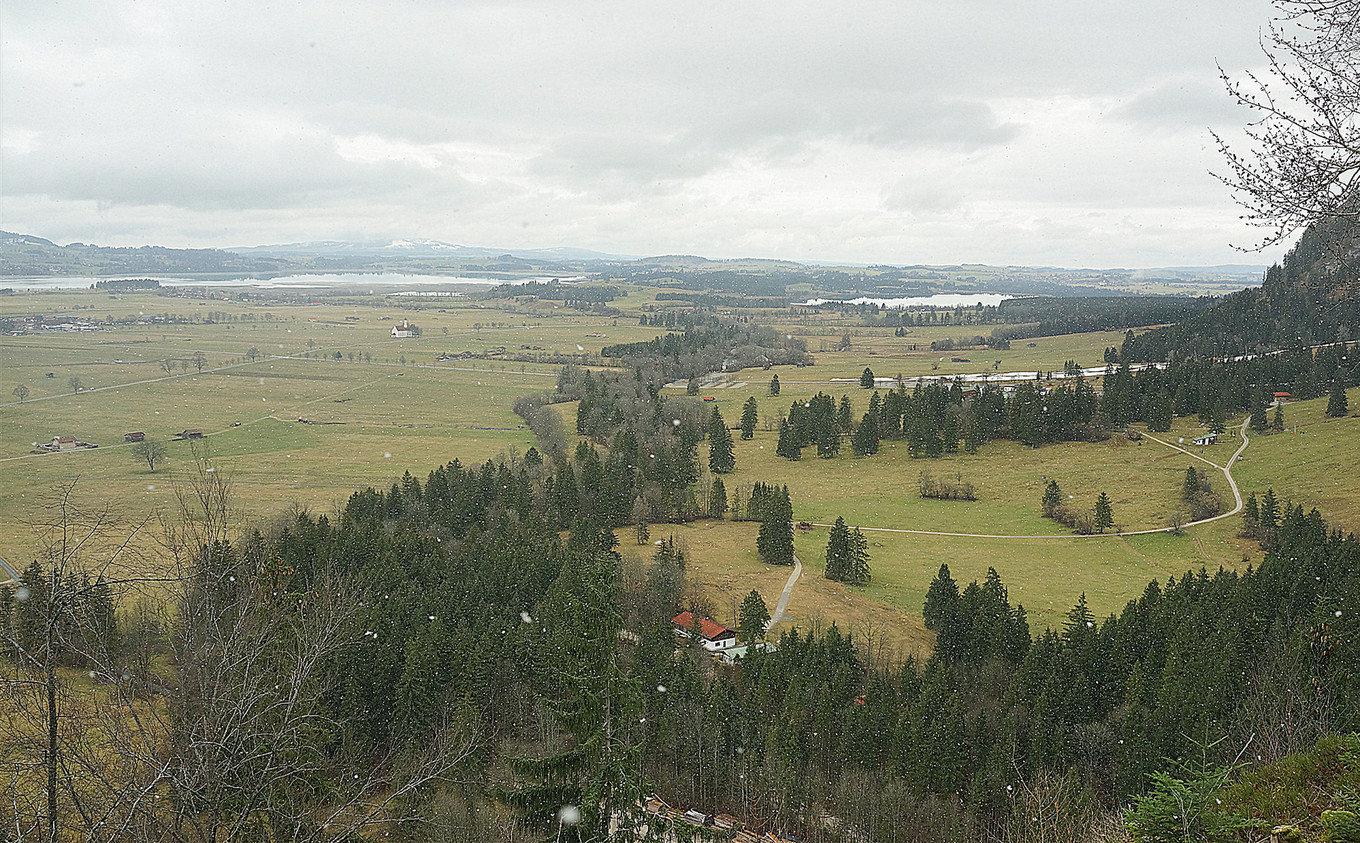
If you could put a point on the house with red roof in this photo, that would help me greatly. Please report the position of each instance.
(712, 635)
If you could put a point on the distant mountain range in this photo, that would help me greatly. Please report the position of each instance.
(422, 249)
(25, 254)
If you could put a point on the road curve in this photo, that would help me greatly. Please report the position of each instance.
(787, 593)
(1227, 473)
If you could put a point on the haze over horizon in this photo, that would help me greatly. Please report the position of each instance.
(1074, 135)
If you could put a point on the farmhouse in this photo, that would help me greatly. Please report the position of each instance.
(712, 635)
(135, 436)
(1206, 439)
(1282, 397)
(405, 330)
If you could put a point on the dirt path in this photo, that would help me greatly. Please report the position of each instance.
(787, 594)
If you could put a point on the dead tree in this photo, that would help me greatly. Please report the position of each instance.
(1301, 158)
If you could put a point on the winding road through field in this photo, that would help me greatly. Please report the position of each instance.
(787, 594)
(1227, 473)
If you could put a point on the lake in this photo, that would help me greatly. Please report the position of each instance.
(937, 300)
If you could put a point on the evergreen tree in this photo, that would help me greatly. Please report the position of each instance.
(1270, 513)
(1080, 619)
(749, 411)
(942, 614)
(1053, 498)
(857, 572)
(774, 542)
(1251, 517)
(722, 457)
(595, 767)
(692, 386)
(864, 442)
(845, 420)
(1104, 515)
(1337, 406)
(422, 678)
(787, 446)
(1160, 412)
(717, 499)
(1190, 489)
(838, 551)
(866, 378)
(774, 385)
(1277, 423)
(753, 616)
(1258, 411)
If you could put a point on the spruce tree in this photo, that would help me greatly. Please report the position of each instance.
(749, 411)
(845, 420)
(1052, 498)
(1190, 488)
(1277, 423)
(774, 385)
(753, 616)
(1160, 412)
(858, 571)
(722, 457)
(1104, 514)
(774, 541)
(717, 499)
(838, 551)
(1270, 513)
(1337, 406)
(787, 446)
(866, 378)
(865, 439)
(1258, 411)
(1251, 517)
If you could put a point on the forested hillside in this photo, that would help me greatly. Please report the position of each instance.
(1312, 297)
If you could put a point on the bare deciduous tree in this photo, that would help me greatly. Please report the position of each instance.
(149, 451)
(1301, 159)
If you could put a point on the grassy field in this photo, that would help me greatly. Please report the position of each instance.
(1312, 463)
(377, 406)
(383, 407)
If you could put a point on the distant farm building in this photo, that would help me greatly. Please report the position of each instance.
(1206, 439)
(1283, 396)
(190, 433)
(712, 635)
(61, 443)
(405, 330)
(135, 436)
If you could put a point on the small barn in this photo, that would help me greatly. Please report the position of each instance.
(1206, 439)
(135, 436)
(405, 330)
(190, 433)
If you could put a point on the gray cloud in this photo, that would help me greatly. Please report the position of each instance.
(869, 130)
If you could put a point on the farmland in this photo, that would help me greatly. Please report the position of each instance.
(300, 403)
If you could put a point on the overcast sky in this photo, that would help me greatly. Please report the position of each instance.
(1060, 132)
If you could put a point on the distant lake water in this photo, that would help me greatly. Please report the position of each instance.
(300, 281)
(937, 300)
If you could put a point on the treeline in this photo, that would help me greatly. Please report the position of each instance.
(714, 345)
(1213, 390)
(941, 418)
(720, 300)
(558, 291)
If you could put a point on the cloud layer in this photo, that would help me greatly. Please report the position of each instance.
(925, 131)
